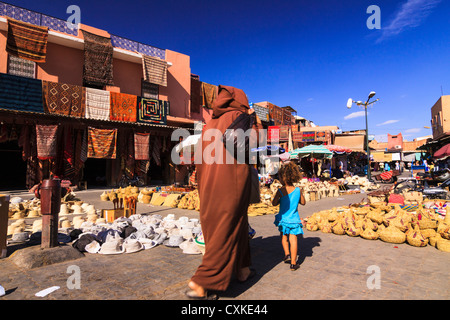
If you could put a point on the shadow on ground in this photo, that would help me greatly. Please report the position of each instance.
(266, 254)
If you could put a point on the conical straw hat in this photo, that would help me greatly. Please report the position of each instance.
(37, 226)
(92, 217)
(77, 209)
(64, 211)
(66, 224)
(77, 221)
(18, 215)
(33, 213)
(90, 209)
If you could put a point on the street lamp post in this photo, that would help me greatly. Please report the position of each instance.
(365, 105)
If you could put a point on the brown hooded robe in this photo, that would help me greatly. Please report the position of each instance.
(224, 191)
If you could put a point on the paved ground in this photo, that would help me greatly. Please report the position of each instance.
(332, 267)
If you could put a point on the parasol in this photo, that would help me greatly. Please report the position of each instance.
(442, 152)
(387, 175)
(315, 151)
(338, 149)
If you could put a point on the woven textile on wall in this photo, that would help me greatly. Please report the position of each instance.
(209, 92)
(98, 60)
(155, 70)
(141, 146)
(102, 143)
(196, 96)
(27, 41)
(153, 111)
(98, 104)
(46, 141)
(21, 67)
(123, 107)
(20, 94)
(149, 90)
(64, 99)
(156, 150)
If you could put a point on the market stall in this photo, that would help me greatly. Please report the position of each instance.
(313, 151)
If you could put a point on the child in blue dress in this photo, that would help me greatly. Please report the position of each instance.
(288, 220)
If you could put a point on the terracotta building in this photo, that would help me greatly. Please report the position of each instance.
(440, 117)
(158, 81)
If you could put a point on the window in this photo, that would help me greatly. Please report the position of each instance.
(21, 67)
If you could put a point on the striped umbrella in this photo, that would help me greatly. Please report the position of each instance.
(315, 151)
(338, 149)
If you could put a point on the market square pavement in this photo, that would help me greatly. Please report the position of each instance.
(333, 267)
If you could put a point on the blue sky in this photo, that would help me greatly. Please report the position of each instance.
(311, 55)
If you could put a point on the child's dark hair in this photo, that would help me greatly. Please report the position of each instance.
(290, 173)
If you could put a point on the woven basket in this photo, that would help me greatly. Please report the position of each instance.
(415, 238)
(333, 215)
(400, 223)
(369, 234)
(367, 223)
(445, 233)
(443, 245)
(389, 217)
(338, 228)
(442, 225)
(326, 228)
(104, 196)
(428, 233)
(353, 231)
(377, 199)
(447, 214)
(312, 226)
(433, 240)
(348, 222)
(427, 224)
(375, 216)
(392, 235)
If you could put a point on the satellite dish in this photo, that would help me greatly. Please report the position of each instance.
(349, 103)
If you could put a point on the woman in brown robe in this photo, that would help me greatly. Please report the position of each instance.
(224, 191)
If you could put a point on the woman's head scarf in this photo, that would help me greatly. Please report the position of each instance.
(229, 99)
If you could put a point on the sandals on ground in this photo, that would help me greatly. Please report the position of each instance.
(295, 267)
(192, 294)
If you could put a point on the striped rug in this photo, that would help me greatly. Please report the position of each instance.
(102, 143)
(155, 70)
(98, 60)
(27, 41)
(64, 99)
(20, 94)
(46, 138)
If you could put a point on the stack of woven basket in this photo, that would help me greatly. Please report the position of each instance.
(389, 223)
(190, 201)
(130, 191)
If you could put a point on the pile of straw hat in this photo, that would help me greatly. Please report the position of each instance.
(19, 208)
(16, 227)
(389, 223)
